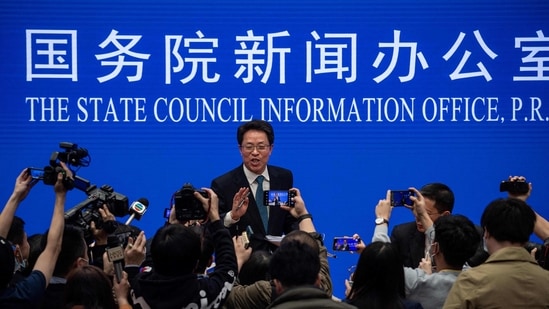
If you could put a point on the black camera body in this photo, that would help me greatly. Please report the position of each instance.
(87, 211)
(50, 177)
(542, 253)
(514, 187)
(187, 206)
(72, 156)
(117, 203)
(123, 237)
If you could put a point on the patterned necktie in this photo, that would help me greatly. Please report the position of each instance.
(259, 201)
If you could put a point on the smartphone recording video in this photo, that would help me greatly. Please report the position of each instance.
(345, 243)
(167, 212)
(401, 198)
(36, 173)
(276, 198)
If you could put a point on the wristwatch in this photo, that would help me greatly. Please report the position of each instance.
(381, 221)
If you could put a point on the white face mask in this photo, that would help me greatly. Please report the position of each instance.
(20, 266)
(484, 239)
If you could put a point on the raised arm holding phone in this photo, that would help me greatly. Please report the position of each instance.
(31, 290)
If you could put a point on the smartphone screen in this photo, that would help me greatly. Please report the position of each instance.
(167, 212)
(36, 173)
(344, 243)
(277, 198)
(401, 198)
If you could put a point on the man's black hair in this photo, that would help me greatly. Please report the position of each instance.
(509, 219)
(256, 268)
(441, 194)
(302, 237)
(175, 250)
(256, 124)
(73, 246)
(16, 234)
(295, 264)
(458, 239)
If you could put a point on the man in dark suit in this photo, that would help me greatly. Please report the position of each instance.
(410, 237)
(237, 189)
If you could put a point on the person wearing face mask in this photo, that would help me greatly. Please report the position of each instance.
(510, 277)
(29, 292)
(250, 179)
(21, 248)
(410, 237)
(453, 240)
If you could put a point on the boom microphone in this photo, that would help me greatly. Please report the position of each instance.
(137, 209)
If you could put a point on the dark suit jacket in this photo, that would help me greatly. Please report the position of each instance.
(280, 221)
(411, 245)
(54, 297)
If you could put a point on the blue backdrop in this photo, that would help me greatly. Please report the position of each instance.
(364, 96)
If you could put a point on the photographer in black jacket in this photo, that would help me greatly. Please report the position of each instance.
(175, 251)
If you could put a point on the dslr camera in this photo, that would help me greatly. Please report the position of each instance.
(187, 206)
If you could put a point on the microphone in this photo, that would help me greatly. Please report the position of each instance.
(115, 253)
(137, 209)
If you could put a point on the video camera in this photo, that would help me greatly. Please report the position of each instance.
(87, 211)
(514, 187)
(72, 156)
(542, 253)
(187, 206)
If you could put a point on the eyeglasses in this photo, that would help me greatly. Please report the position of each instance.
(250, 147)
